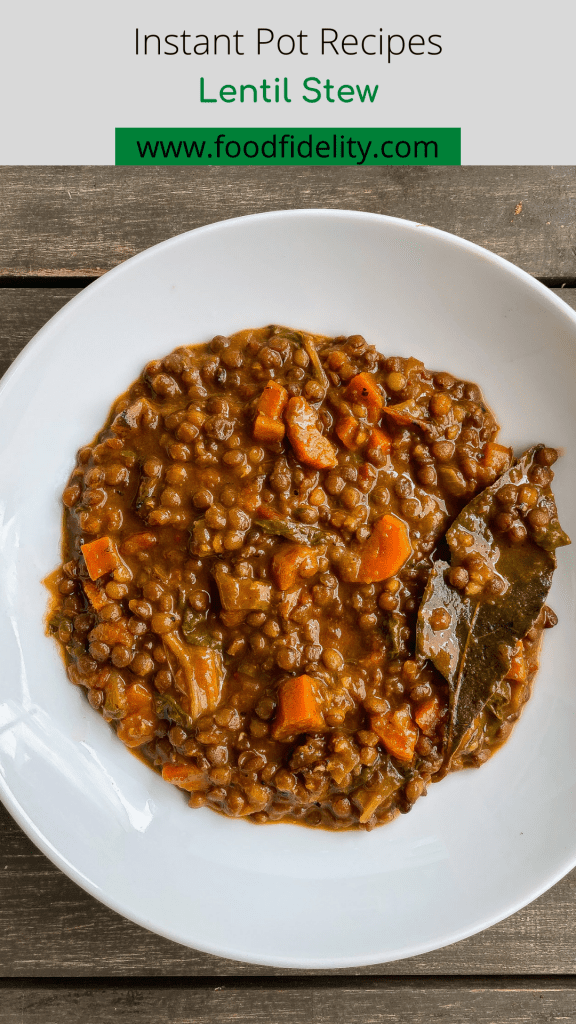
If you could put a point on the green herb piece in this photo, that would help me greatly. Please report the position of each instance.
(197, 633)
(552, 537)
(392, 627)
(115, 702)
(315, 360)
(75, 649)
(167, 707)
(306, 342)
(298, 532)
(147, 491)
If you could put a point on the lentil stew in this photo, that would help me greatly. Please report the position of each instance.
(254, 589)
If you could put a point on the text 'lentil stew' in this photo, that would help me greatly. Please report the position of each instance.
(302, 579)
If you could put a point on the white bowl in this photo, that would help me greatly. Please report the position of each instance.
(482, 844)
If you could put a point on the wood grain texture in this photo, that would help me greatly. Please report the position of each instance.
(451, 1002)
(51, 928)
(69, 221)
(23, 311)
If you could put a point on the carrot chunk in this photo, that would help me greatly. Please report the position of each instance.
(298, 709)
(268, 429)
(496, 457)
(101, 556)
(379, 442)
(397, 732)
(186, 776)
(291, 562)
(347, 428)
(95, 594)
(139, 542)
(138, 698)
(310, 445)
(271, 404)
(428, 715)
(112, 633)
(386, 550)
(136, 729)
(273, 400)
(364, 390)
(517, 670)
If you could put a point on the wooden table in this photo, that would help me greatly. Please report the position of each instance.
(65, 957)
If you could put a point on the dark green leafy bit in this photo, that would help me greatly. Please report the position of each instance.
(139, 412)
(312, 351)
(197, 633)
(500, 700)
(169, 708)
(473, 650)
(75, 649)
(297, 532)
(115, 702)
(552, 537)
(147, 492)
(392, 627)
(296, 337)
(306, 342)
(379, 787)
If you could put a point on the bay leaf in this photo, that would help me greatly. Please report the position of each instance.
(473, 652)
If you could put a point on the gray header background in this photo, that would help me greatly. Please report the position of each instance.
(69, 74)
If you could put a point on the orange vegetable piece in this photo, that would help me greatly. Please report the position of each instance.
(407, 412)
(397, 732)
(386, 550)
(288, 605)
(298, 709)
(138, 698)
(292, 561)
(95, 594)
(347, 430)
(185, 776)
(517, 670)
(310, 445)
(101, 556)
(273, 400)
(496, 457)
(267, 429)
(364, 390)
(112, 633)
(379, 441)
(136, 729)
(139, 542)
(428, 715)
(271, 404)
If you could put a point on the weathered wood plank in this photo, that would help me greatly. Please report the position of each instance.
(76, 936)
(23, 311)
(66, 221)
(534, 1001)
